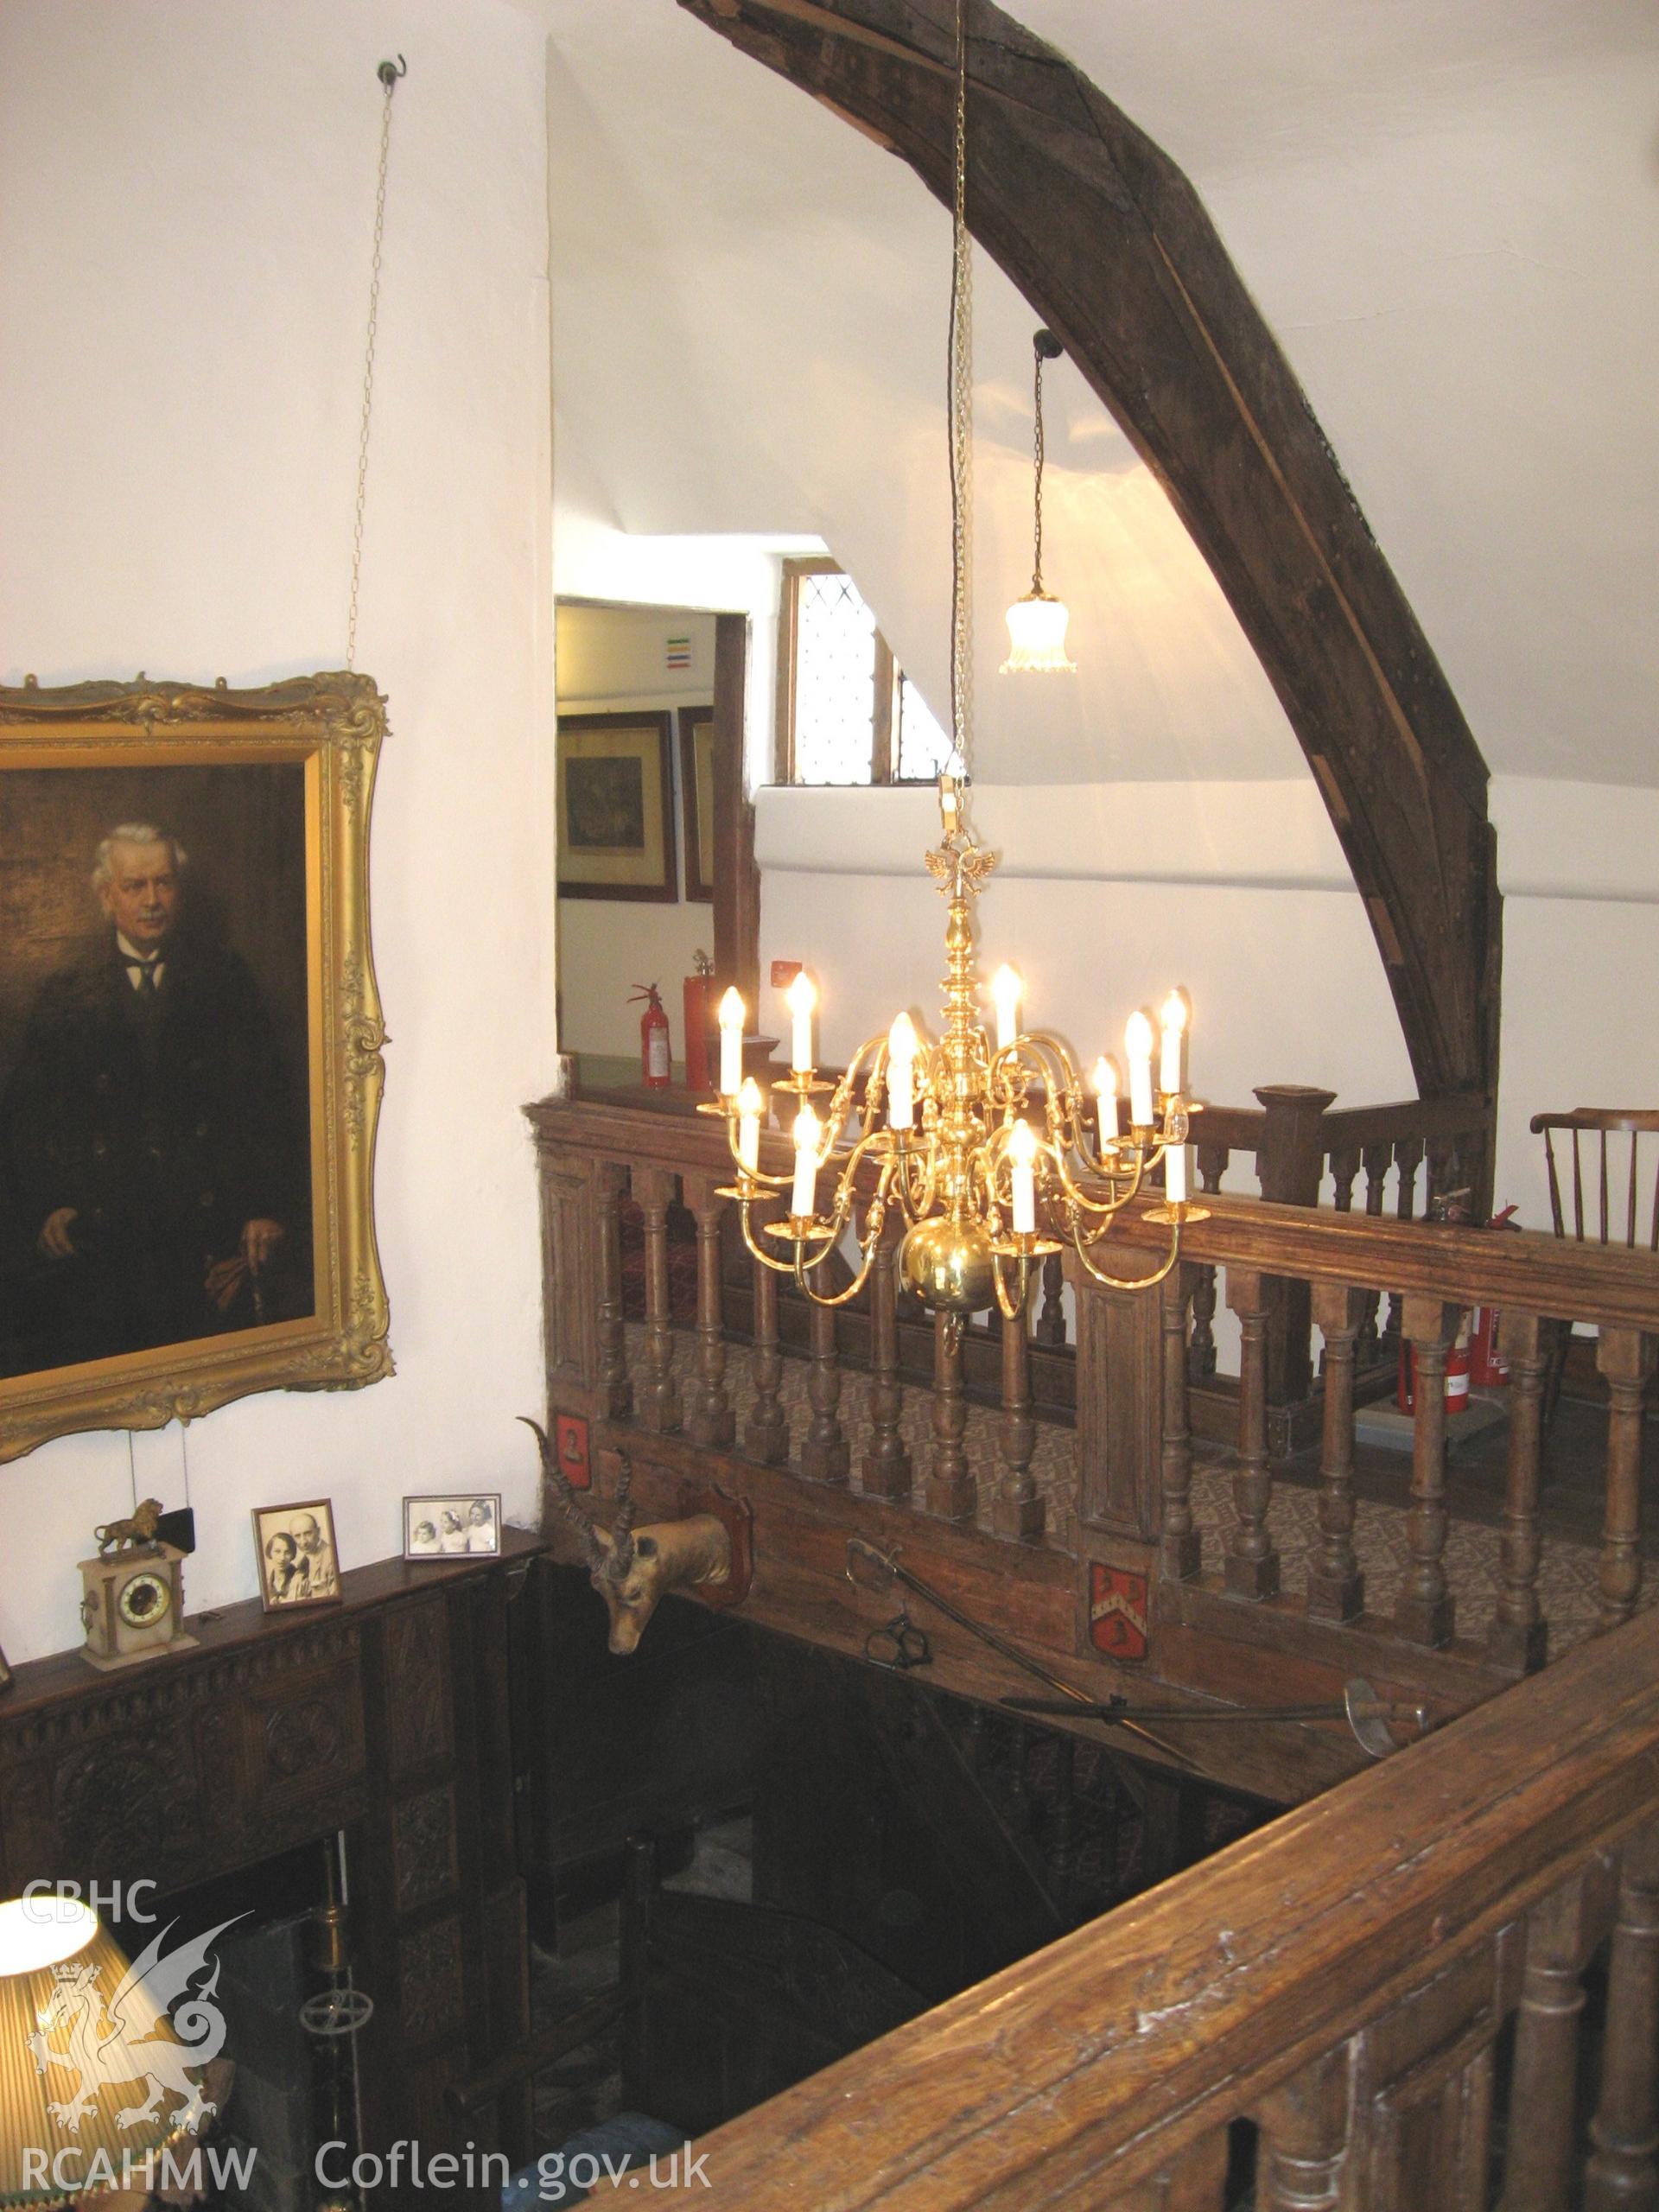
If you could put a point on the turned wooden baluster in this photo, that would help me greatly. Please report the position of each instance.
(765, 1429)
(1050, 1320)
(1538, 2160)
(1377, 1157)
(1304, 2139)
(887, 1471)
(711, 1421)
(1017, 1511)
(825, 1456)
(1252, 1564)
(1201, 1345)
(659, 1393)
(1426, 1612)
(1180, 1547)
(1335, 1588)
(1345, 1173)
(615, 1392)
(1625, 1359)
(1621, 2175)
(1520, 1636)
(950, 1489)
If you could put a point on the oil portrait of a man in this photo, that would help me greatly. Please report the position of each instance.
(154, 1180)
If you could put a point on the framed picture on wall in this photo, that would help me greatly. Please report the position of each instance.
(697, 799)
(190, 1034)
(616, 809)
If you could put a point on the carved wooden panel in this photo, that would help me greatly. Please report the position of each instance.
(423, 1847)
(570, 1293)
(420, 1723)
(430, 1981)
(1120, 1370)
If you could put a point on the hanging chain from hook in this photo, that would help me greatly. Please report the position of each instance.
(1044, 347)
(960, 409)
(388, 73)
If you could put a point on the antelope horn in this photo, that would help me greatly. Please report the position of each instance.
(627, 1507)
(593, 1551)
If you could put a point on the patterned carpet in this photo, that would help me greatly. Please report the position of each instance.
(1567, 1579)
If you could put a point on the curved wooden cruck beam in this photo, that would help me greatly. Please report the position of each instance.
(1107, 239)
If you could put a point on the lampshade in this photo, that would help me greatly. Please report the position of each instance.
(60, 1971)
(1037, 636)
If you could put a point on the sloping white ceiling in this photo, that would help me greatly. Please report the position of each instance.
(1447, 209)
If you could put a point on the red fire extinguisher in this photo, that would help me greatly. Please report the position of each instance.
(654, 1037)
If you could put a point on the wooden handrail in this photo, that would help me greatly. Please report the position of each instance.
(1464, 1267)
(1083, 2072)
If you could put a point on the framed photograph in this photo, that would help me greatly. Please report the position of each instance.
(299, 1564)
(190, 1064)
(698, 800)
(616, 812)
(445, 1527)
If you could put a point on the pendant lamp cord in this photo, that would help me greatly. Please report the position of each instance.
(960, 408)
(1037, 457)
(388, 73)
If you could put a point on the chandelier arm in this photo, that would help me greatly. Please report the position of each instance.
(778, 1266)
(874, 1089)
(1012, 1311)
(1132, 1282)
(1078, 1197)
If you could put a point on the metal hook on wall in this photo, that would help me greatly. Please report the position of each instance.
(390, 72)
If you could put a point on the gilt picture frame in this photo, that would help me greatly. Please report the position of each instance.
(698, 800)
(616, 807)
(190, 1050)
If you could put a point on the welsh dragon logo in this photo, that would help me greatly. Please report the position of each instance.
(109, 2044)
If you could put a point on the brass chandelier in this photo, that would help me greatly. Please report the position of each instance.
(966, 1136)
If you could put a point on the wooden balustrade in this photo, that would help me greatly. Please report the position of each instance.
(1223, 1617)
(1321, 2013)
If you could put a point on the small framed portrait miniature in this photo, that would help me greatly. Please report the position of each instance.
(299, 1564)
(467, 1524)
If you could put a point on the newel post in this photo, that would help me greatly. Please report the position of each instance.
(1290, 1166)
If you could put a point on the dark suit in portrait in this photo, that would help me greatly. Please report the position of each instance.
(147, 1124)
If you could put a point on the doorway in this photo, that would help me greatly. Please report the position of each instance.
(656, 847)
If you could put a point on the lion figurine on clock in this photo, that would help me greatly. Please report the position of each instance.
(132, 1600)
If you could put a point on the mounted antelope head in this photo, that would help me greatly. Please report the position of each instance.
(631, 1567)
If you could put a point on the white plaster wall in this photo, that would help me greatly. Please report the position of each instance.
(186, 193)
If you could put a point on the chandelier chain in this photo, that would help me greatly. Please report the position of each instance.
(961, 411)
(1037, 456)
(389, 73)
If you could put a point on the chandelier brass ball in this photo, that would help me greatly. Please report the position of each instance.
(949, 1265)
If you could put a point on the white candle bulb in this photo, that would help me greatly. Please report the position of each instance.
(1171, 1074)
(807, 1130)
(1137, 1038)
(1175, 1174)
(1105, 1081)
(1006, 990)
(901, 1074)
(801, 998)
(732, 1017)
(750, 1106)
(1022, 1155)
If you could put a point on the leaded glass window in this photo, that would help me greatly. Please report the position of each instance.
(846, 712)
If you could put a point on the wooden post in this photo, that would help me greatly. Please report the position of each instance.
(1538, 2164)
(1426, 1612)
(1625, 1359)
(1180, 1546)
(951, 1492)
(712, 1421)
(1303, 2138)
(1621, 2175)
(886, 1470)
(1290, 1166)
(1335, 1588)
(765, 1432)
(1050, 1320)
(825, 1457)
(1017, 1511)
(1377, 1157)
(659, 1394)
(1252, 1564)
(1201, 1345)
(615, 1392)
(1520, 1636)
